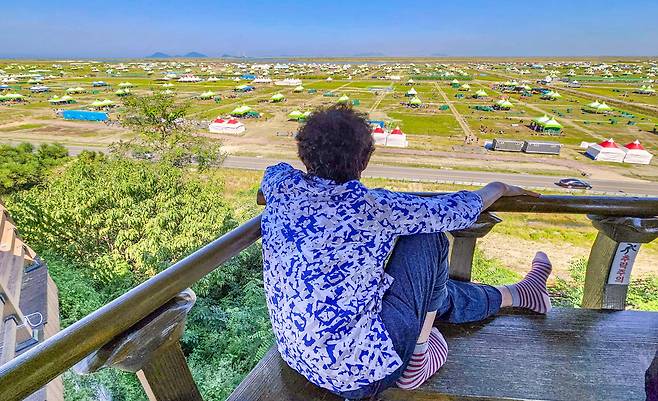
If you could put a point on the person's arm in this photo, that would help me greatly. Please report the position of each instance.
(406, 214)
(496, 190)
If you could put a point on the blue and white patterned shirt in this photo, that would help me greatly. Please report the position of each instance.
(325, 246)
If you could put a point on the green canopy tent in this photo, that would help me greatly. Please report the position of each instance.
(277, 97)
(480, 93)
(298, 89)
(207, 95)
(99, 104)
(241, 111)
(552, 126)
(66, 99)
(415, 101)
(538, 122)
(295, 115)
(596, 107)
(122, 92)
(465, 87)
(411, 92)
(343, 99)
(75, 90)
(125, 85)
(503, 104)
(550, 95)
(454, 83)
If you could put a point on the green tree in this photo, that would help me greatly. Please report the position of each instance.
(22, 167)
(163, 132)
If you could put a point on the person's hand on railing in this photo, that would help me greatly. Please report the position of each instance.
(513, 190)
(495, 190)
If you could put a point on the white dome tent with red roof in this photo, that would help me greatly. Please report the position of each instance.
(635, 153)
(606, 151)
(379, 135)
(228, 126)
(397, 138)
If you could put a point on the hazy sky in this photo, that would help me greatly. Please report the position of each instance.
(134, 28)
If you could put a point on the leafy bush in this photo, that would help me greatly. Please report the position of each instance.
(22, 167)
(124, 220)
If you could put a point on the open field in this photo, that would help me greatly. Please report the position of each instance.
(437, 131)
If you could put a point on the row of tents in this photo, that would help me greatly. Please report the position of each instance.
(609, 151)
(395, 138)
(297, 115)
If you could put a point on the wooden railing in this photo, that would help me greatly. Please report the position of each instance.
(139, 331)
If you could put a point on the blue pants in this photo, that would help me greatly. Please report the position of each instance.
(419, 265)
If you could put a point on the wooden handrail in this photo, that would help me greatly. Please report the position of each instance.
(32, 370)
(621, 206)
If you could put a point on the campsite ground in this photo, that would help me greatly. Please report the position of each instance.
(435, 135)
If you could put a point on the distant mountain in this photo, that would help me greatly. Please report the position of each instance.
(194, 55)
(187, 55)
(159, 55)
(438, 55)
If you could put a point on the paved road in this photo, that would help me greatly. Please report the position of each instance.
(461, 177)
(441, 175)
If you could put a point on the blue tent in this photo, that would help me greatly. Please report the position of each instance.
(248, 77)
(376, 122)
(84, 115)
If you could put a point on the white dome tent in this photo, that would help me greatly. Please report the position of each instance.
(230, 126)
(636, 154)
(397, 138)
(606, 151)
(380, 136)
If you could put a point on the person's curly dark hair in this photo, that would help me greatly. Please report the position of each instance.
(335, 143)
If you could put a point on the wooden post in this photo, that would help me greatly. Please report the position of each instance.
(166, 376)
(151, 349)
(463, 246)
(611, 259)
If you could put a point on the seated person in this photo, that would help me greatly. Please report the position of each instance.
(355, 277)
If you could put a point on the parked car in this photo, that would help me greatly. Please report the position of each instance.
(573, 183)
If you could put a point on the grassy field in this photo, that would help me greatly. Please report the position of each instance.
(432, 127)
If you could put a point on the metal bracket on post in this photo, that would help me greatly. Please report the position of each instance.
(463, 245)
(612, 257)
(151, 349)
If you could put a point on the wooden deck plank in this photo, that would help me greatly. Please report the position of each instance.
(571, 354)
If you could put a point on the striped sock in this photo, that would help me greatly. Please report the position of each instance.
(426, 360)
(531, 292)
